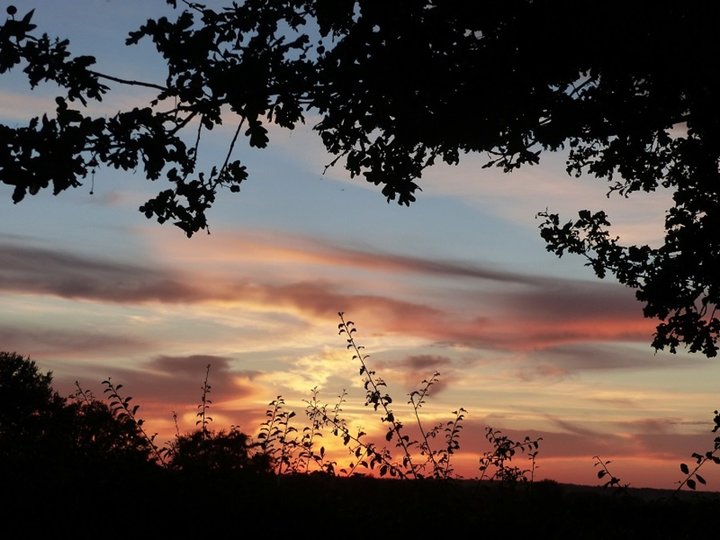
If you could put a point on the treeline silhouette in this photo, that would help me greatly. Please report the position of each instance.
(83, 467)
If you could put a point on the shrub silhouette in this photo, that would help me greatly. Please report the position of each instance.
(64, 457)
(101, 435)
(81, 454)
(205, 451)
(216, 452)
(39, 428)
(91, 431)
(293, 450)
(30, 410)
(495, 464)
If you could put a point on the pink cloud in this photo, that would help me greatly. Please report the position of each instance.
(535, 313)
(50, 342)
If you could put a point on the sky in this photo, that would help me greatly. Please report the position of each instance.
(459, 283)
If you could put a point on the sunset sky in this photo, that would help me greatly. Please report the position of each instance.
(459, 282)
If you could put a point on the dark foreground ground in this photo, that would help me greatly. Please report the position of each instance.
(159, 505)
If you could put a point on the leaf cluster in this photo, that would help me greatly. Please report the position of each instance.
(495, 464)
(611, 481)
(692, 477)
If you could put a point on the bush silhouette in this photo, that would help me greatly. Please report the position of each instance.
(41, 429)
(223, 452)
(30, 410)
(89, 465)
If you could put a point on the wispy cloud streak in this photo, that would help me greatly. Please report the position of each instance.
(535, 311)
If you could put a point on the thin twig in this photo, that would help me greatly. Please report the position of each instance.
(128, 81)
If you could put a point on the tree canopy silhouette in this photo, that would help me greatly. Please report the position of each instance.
(628, 90)
(42, 432)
